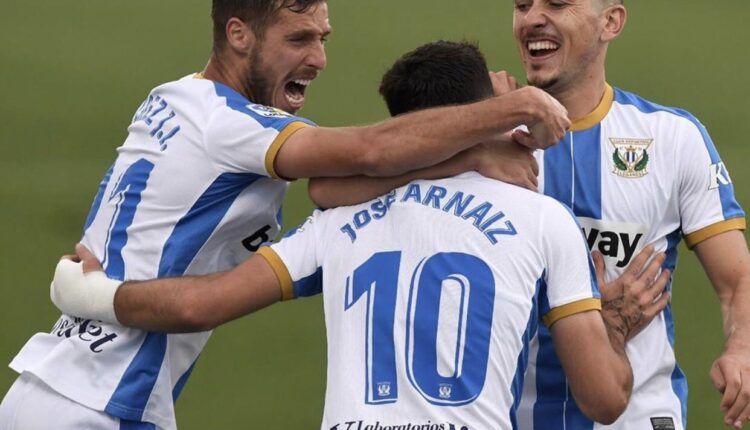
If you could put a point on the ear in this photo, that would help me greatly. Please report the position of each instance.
(614, 22)
(240, 36)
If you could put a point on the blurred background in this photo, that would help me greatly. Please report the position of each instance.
(72, 74)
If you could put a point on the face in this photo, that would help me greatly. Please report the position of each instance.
(559, 41)
(289, 58)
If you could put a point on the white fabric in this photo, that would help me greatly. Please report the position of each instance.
(683, 188)
(188, 187)
(415, 237)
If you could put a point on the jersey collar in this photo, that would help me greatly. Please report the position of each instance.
(597, 115)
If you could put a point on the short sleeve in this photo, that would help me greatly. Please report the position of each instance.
(242, 137)
(295, 260)
(706, 195)
(569, 285)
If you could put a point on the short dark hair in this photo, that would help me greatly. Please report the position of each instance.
(259, 14)
(436, 74)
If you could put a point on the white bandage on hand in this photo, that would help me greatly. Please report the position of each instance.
(86, 295)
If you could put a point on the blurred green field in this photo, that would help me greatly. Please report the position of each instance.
(73, 72)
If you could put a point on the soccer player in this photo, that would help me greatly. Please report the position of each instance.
(634, 173)
(431, 292)
(197, 187)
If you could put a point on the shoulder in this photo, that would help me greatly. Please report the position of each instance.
(635, 105)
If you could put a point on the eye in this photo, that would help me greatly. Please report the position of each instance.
(557, 4)
(522, 6)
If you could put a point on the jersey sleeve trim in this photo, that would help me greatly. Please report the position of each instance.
(279, 268)
(277, 143)
(560, 312)
(712, 230)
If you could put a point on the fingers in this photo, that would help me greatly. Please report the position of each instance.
(732, 387)
(89, 260)
(599, 267)
(660, 284)
(650, 272)
(525, 139)
(502, 83)
(636, 266)
(740, 402)
(742, 417)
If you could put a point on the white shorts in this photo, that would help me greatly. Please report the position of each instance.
(31, 405)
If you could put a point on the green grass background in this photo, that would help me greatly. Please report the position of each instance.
(73, 72)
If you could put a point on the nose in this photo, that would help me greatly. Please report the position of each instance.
(535, 16)
(317, 57)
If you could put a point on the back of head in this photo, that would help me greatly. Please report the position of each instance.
(436, 74)
(259, 14)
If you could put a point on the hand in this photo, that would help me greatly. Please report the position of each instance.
(730, 374)
(82, 288)
(630, 302)
(502, 82)
(506, 161)
(544, 112)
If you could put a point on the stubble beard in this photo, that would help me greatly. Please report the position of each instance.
(256, 82)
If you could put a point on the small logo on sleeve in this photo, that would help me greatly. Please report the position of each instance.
(662, 423)
(631, 157)
(267, 111)
(719, 176)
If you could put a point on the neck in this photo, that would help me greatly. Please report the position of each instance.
(223, 70)
(581, 98)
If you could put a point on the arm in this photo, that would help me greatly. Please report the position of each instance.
(505, 161)
(187, 304)
(726, 261)
(598, 370)
(415, 140)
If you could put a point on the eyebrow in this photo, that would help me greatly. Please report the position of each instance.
(308, 33)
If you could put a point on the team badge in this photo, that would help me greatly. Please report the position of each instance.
(384, 389)
(444, 391)
(267, 111)
(630, 157)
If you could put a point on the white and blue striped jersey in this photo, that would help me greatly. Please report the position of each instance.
(431, 294)
(634, 173)
(192, 191)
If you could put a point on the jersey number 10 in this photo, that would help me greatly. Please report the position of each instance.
(377, 280)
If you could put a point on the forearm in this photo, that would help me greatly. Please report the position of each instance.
(197, 303)
(428, 137)
(334, 192)
(736, 315)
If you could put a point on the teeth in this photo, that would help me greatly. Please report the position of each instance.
(542, 45)
(303, 82)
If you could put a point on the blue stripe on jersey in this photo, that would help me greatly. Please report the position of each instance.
(98, 199)
(310, 285)
(679, 381)
(729, 205)
(177, 390)
(136, 425)
(132, 393)
(188, 237)
(555, 408)
(558, 172)
(194, 229)
(587, 191)
(523, 356)
(265, 116)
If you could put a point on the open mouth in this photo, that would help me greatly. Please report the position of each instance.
(539, 49)
(294, 91)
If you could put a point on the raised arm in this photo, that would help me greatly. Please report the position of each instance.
(416, 140)
(597, 369)
(726, 261)
(504, 160)
(186, 304)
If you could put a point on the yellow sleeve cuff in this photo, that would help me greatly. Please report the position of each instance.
(563, 311)
(279, 268)
(712, 230)
(277, 143)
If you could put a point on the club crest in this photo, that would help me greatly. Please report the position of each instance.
(630, 157)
